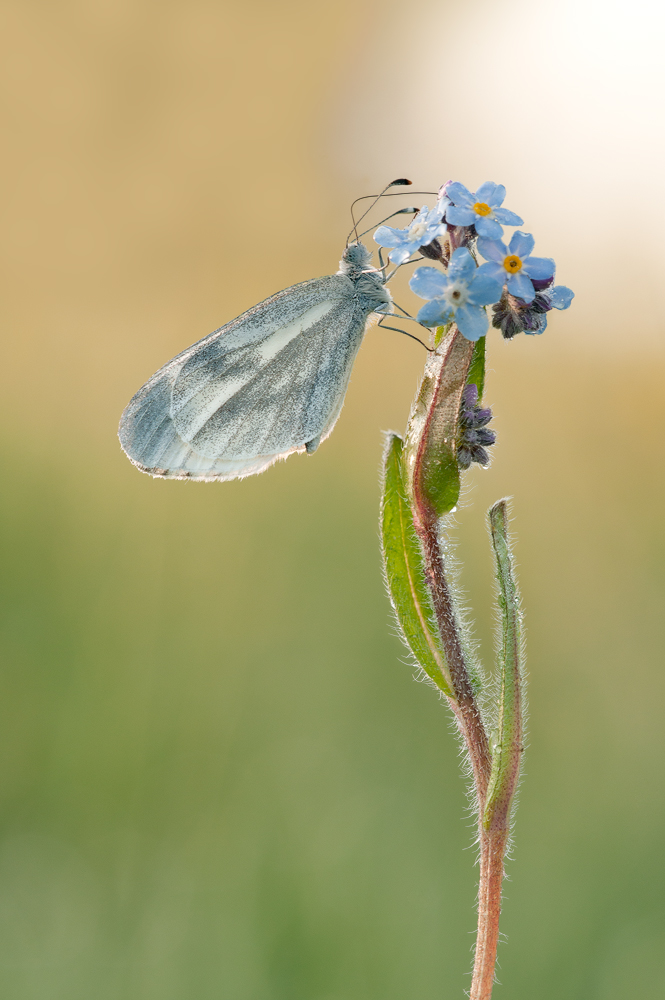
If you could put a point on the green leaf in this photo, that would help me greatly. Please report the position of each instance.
(507, 749)
(476, 374)
(404, 570)
(431, 439)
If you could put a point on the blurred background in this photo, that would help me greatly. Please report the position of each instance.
(218, 776)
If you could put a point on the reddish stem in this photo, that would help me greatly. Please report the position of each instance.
(492, 850)
(469, 720)
(433, 429)
(464, 706)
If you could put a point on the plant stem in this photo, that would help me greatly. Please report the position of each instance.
(430, 455)
(464, 704)
(492, 850)
(494, 820)
(469, 720)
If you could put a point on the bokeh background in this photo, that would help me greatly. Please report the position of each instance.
(218, 776)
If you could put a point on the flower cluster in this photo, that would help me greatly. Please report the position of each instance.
(473, 436)
(519, 286)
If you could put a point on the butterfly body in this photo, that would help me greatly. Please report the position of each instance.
(269, 383)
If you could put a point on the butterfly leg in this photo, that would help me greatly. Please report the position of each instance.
(384, 264)
(392, 274)
(397, 330)
(406, 315)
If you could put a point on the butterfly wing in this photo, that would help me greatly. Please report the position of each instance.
(269, 383)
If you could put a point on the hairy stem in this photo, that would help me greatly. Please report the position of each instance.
(494, 822)
(464, 704)
(466, 710)
(432, 470)
(492, 850)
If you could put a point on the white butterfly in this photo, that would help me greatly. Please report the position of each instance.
(269, 383)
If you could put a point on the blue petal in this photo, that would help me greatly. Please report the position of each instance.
(399, 255)
(442, 205)
(485, 290)
(432, 232)
(434, 217)
(507, 217)
(471, 321)
(492, 194)
(428, 282)
(462, 266)
(493, 270)
(492, 250)
(539, 268)
(434, 313)
(521, 244)
(520, 286)
(386, 236)
(460, 195)
(457, 216)
(488, 228)
(561, 297)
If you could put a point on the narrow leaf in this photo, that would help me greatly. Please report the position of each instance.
(507, 750)
(404, 570)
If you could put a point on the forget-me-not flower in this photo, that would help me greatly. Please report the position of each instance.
(458, 295)
(425, 227)
(482, 209)
(514, 265)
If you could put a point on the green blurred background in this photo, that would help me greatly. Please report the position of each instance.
(218, 776)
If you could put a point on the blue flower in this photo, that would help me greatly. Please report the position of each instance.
(425, 227)
(481, 209)
(514, 265)
(458, 295)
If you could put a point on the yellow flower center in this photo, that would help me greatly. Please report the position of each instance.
(480, 208)
(512, 264)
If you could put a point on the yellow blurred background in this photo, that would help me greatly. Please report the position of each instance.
(218, 777)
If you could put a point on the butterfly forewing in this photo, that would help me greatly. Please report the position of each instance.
(267, 384)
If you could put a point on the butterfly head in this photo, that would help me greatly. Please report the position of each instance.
(355, 261)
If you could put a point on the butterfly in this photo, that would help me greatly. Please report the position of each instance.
(264, 386)
(269, 383)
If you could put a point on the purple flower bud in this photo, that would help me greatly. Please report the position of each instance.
(512, 315)
(473, 436)
(485, 437)
(483, 417)
(470, 395)
(464, 456)
(479, 455)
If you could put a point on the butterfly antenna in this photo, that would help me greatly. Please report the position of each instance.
(399, 182)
